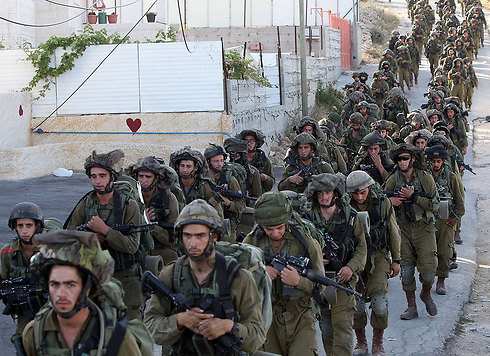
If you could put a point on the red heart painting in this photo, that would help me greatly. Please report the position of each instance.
(134, 125)
(21, 111)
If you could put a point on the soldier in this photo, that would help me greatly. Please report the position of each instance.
(103, 208)
(395, 104)
(27, 220)
(449, 186)
(194, 178)
(417, 121)
(470, 83)
(368, 116)
(353, 136)
(222, 175)
(383, 258)
(333, 215)
(333, 156)
(389, 56)
(405, 66)
(393, 39)
(418, 138)
(457, 78)
(161, 204)
(379, 88)
(374, 160)
(207, 279)
(456, 127)
(415, 57)
(301, 163)
(433, 51)
(311, 126)
(434, 116)
(447, 62)
(75, 269)
(415, 216)
(388, 75)
(257, 157)
(276, 232)
(384, 128)
(339, 126)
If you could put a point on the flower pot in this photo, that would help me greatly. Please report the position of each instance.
(112, 18)
(151, 17)
(102, 18)
(92, 19)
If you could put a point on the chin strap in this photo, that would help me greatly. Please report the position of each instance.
(81, 302)
(206, 253)
(410, 165)
(108, 188)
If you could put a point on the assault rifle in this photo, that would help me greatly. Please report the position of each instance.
(305, 171)
(151, 284)
(125, 229)
(20, 297)
(390, 193)
(226, 192)
(330, 252)
(466, 166)
(300, 264)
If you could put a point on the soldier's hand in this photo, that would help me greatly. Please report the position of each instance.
(214, 328)
(150, 214)
(394, 269)
(100, 237)
(272, 272)
(345, 274)
(406, 192)
(96, 224)
(226, 201)
(191, 318)
(263, 177)
(396, 201)
(290, 276)
(450, 126)
(377, 162)
(296, 179)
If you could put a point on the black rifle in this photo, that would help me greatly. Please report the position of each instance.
(170, 228)
(304, 171)
(330, 251)
(226, 192)
(151, 284)
(300, 264)
(125, 229)
(391, 193)
(466, 166)
(20, 297)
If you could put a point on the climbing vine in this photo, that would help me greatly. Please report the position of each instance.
(241, 68)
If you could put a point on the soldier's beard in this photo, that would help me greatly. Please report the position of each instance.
(188, 176)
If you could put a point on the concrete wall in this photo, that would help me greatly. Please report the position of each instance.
(15, 120)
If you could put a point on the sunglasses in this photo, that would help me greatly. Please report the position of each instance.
(403, 158)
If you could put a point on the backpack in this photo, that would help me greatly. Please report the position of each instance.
(52, 224)
(237, 171)
(252, 258)
(108, 299)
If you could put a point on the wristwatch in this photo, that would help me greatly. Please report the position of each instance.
(397, 261)
(234, 329)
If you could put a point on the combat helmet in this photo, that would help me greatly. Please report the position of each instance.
(26, 210)
(433, 112)
(415, 135)
(356, 118)
(334, 117)
(187, 153)
(327, 126)
(410, 149)
(436, 152)
(308, 121)
(357, 95)
(362, 104)
(110, 161)
(325, 182)
(74, 248)
(438, 139)
(299, 201)
(259, 136)
(304, 138)
(164, 175)
(372, 139)
(214, 150)
(272, 209)
(357, 181)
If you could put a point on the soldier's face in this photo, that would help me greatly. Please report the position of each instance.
(433, 119)
(65, 285)
(437, 164)
(404, 161)
(146, 178)
(356, 127)
(304, 150)
(186, 167)
(374, 150)
(361, 196)
(420, 143)
(25, 227)
(251, 142)
(308, 129)
(196, 238)
(275, 232)
(363, 110)
(325, 197)
(450, 113)
(383, 133)
(217, 162)
(99, 177)
(438, 99)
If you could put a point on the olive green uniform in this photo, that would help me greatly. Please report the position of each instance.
(264, 165)
(334, 158)
(380, 90)
(404, 70)
(384, 240)
(336, 323)
(55, 338)
(470, 85)
(292, 331)
(353, 142)
(161, 315)
(444, 232)
(118, 244)
(433, 51)
(368, 166)
(200, 189)
(417, 224)
(457, 77)
(317, 166)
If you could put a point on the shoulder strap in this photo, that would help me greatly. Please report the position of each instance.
(117, 207)
(65, 225)
(117, 337)
(222, 279)
(301, 239)
(176, 275)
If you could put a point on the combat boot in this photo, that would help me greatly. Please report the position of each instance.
(440, 288)
(430, 306)
(416, 81)
(457, 239)
(378, 349)
(411, 311)
(361, 347)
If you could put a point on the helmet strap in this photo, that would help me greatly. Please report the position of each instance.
(410, 166)
(207, 251)
(108, 188)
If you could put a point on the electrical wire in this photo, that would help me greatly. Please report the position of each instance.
(47, 25)
(96, 68)
(182, 26)
(88, 8)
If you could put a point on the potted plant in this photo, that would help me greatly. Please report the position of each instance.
(102, 17)
(112, 18)
(150, 17)
(92, 18)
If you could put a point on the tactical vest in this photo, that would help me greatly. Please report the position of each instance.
(18, 265)
(224, 178)
(412, 212)
(160, 204)
(340, 228)
(443, 184)
(282, 294)
(196, 191)
(123, 261)
(215, 299)
(259, 160)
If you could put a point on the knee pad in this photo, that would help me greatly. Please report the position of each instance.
(360, 309)
(408, 274)
(379, 304)
(427, 278)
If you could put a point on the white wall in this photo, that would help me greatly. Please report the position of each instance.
(15, 120)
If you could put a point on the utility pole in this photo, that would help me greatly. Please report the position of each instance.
(302, 56)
